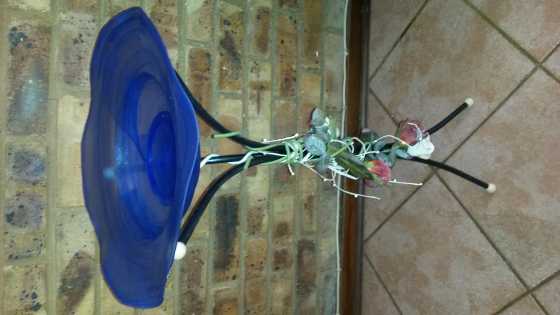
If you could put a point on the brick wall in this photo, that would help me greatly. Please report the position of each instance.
(267, 242)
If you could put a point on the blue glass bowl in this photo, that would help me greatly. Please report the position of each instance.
(140, 157)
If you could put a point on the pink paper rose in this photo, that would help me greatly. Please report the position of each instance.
(410, 131)
(381, 169)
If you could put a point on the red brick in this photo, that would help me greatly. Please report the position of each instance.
(286, 50)
(230, 113)
(312, 13)
(192, 286)
(226, 243)
(282, 232)
(255, 296)
(259, 91)
(260, 27)
(164, 15)
(282, 293)
(308, 182)
(333, 73)
(28, 77)
(306, 268)
(78, 33)
(231, 47)
(255, 257)
(24, 289)
(284, 119)
(226, 302)
(199, 19)
(257, 202)
(282, 259)
(25, 224)
(199, 61)
(86, 6)
(288, 3)
(115, 6)
(76, 280)
(310, 88)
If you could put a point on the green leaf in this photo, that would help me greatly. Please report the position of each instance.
(318, 118)
(315, 145)
(323, 163)
(402, 154)
(348, 161)
(379, 145)
(368, 135)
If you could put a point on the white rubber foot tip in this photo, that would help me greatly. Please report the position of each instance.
(469, 102)
(180, 251)
(491, 188)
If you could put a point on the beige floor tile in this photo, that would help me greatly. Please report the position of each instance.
(376, 211)
(535, 25)
(375, 300)
(553, 63)
(434, 260)
(450, 53)
(518, 150)
(525, 306)
(549, 296)
(388, 20)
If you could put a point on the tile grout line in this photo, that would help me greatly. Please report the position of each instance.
(427, 178)
(51, 143)
(272, 32)
(322, 74)
(385, 109)
(378, 276)
(181, 60)
(298, 213)
(539, 304)
(491, 114)
(243, 193)
(212, 109)
(489, 240)
(546, 58)
(536, 67)
(372, 234)
(539, 64)
(460, 145)
(296, 220)
(506, 36)
(538, 286)
(3, 124)
(398, 40)
(98, 278)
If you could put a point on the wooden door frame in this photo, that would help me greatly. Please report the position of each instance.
(352, 210)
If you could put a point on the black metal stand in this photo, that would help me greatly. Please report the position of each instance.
(198, 209)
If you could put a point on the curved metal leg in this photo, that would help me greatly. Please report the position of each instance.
(201, 204)
(487, 186)
(212, 122)
(466, 104)
(198, 209)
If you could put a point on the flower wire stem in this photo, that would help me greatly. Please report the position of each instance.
(447, 119)
(453, 170)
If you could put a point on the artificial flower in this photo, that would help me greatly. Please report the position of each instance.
(410, 131)
(380, 169)
(422, 149)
